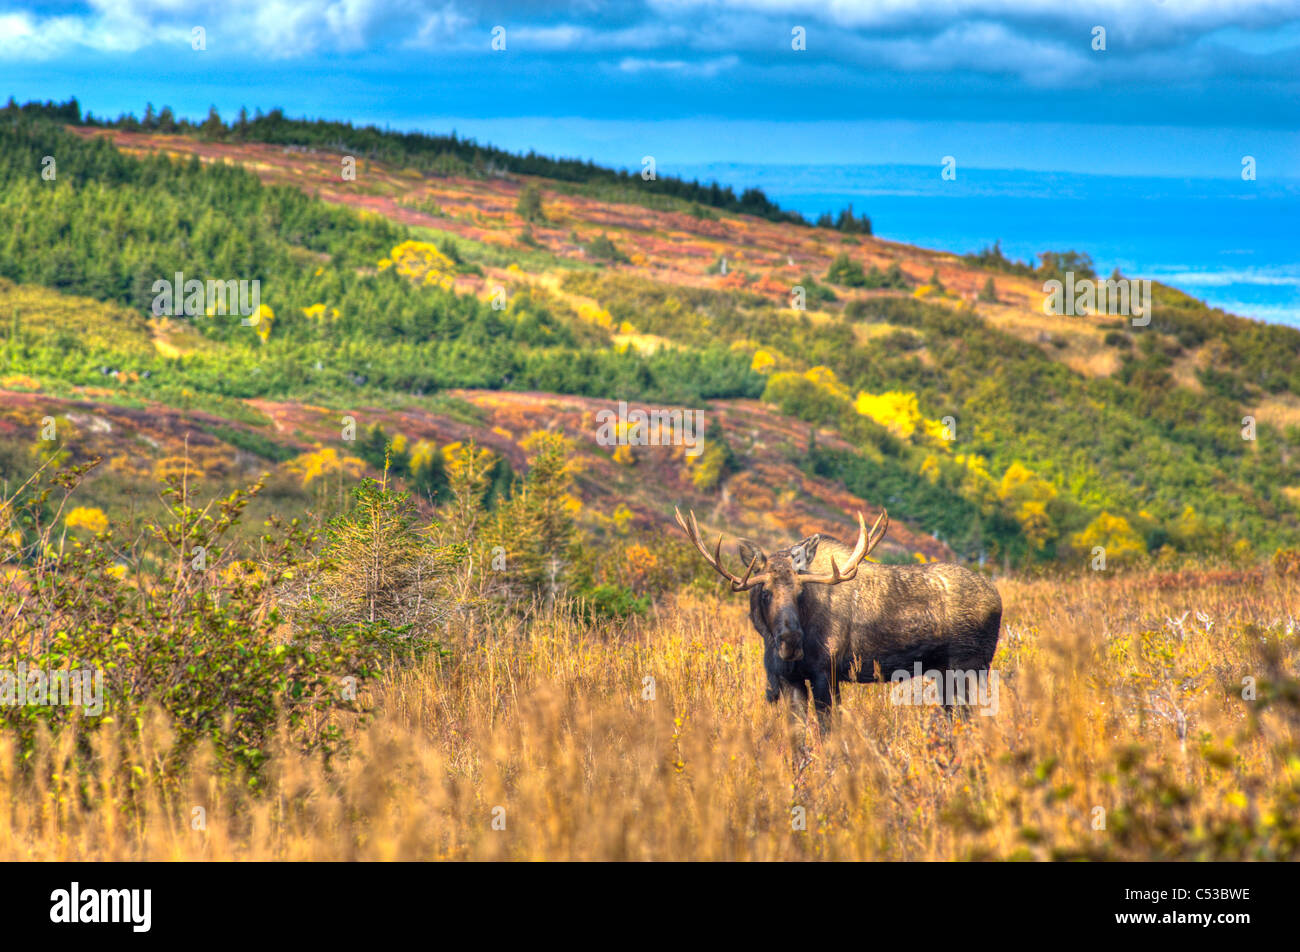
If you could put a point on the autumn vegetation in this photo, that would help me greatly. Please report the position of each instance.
(388, 687)
(363, 584)
(392, 698)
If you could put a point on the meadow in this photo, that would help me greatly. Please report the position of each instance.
(1121, 733)
(420, 609)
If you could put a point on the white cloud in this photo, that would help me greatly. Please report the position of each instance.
(276, 28)
(1155, 16)
(706, 68)
(22, 36)
(982, 47)
(1044, 41)
(563, 36)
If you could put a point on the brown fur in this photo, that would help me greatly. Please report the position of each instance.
(886, 618)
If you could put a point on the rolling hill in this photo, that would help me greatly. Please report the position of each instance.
(449, 298)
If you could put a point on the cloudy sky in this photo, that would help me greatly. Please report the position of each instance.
(1183, 87)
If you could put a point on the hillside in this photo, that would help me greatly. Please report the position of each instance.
(447, 303)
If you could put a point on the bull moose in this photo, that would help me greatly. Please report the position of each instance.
(827, 617)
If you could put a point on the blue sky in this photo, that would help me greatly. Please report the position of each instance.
(1184, 87)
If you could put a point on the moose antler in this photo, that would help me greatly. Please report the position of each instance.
(737, 584)
(860, 551)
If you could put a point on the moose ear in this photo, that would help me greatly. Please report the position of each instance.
(749, 551)
(801, 555)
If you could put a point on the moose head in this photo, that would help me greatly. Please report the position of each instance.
(776, 581)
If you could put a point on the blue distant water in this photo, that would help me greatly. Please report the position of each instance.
(1233, 244)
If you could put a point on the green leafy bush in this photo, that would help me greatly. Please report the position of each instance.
(846, 272)
(174, 618)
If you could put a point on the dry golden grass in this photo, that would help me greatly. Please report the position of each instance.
(552, 726)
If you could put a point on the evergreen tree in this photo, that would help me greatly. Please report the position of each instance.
(529, 206)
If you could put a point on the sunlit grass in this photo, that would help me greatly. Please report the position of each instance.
(560, 736)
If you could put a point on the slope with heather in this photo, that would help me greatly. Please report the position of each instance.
(387, 290)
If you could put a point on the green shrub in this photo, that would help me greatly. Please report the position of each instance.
(529, 206)
(846, 272)
(381, 573)
(602, 249)
(610, 601)
(176, 619)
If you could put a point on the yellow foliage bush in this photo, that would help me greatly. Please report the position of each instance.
(825, 378)
(595, 315)
(977, 483)
(319, 311)
(458, 458)
(324, 461)
(166, 348)
(262, 321)
(707, 468)
(19, 382)
(1026, 497)
(899, 412)
(423, 263)
(88, 518)
(1112, 533)
(930, 469)
(422, 455)
(622, 518)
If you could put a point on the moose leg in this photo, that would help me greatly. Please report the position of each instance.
(947, 691)
(796, 695)
(824, 697)
(961, 690)
(773, 688)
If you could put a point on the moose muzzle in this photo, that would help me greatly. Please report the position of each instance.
(789, 646)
